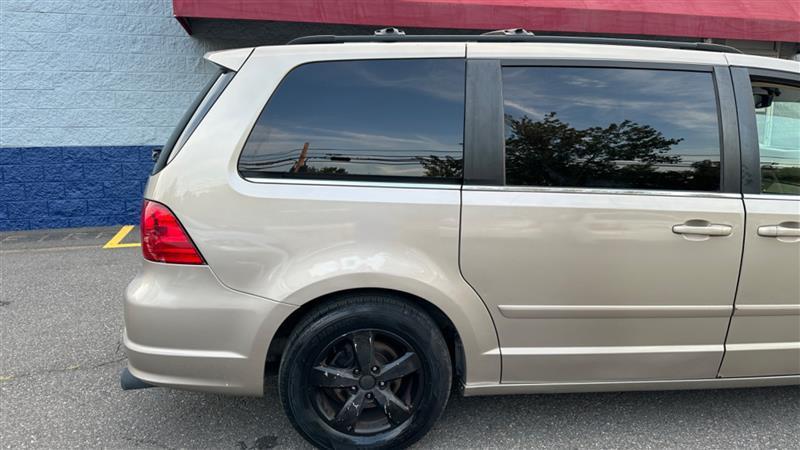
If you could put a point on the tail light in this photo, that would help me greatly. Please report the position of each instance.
(164, 239)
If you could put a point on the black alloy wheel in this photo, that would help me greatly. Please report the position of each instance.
(365, 371)
(367, 381)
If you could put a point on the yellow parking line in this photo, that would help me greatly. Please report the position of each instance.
(115, 241)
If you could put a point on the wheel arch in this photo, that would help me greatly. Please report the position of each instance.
(446, 326)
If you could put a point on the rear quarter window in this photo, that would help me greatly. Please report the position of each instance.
(192, 117)
(385, 120)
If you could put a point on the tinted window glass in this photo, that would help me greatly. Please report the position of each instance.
(611, 128)
(778, 121)
(192, 117)
(362, 119)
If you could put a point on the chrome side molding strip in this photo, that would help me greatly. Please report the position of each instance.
(609, 311)
(768, 310)
(609, 350)
(352, 183)
(599, 191)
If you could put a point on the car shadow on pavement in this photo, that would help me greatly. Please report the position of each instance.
(762, 417)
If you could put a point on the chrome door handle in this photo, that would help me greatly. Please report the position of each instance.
(702, 229)
(781, 230)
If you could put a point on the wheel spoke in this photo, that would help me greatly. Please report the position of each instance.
(347, 417)
(400, 367)
(396, 411)
(362, 343)
(333, 377)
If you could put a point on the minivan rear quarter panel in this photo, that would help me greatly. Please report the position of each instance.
(317, 238)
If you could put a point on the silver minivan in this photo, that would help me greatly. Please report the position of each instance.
(390, 217)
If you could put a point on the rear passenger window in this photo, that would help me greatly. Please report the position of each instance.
(394, 120)
(611, 128)
(778, 121)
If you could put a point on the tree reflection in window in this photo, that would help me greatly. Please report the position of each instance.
(611, 128)
(549, 152)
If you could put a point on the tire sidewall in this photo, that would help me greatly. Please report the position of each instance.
(419, 331)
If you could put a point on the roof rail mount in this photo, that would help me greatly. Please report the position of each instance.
(509, 32)
(391, 31)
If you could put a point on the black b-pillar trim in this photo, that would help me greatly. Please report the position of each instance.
(731, 172)
(484, 143)
(748, 132)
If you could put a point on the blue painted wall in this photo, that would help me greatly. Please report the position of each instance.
(60, 187)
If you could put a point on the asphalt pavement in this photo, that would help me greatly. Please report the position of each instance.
(60, 359)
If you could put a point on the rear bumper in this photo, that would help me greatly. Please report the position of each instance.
(184, 329)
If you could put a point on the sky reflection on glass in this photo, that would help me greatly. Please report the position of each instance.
(368, 118)
(609, 127)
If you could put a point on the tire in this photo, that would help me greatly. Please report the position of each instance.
(334, 404)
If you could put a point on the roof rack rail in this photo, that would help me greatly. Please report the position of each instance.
(508, 32)
(511, 35)
(391, 31)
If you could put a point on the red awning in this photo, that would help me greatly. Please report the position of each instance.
(762, 20)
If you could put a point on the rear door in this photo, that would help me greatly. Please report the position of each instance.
(601, 219)
(764, 337)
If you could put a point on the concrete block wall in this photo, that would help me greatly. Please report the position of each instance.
(87, 89)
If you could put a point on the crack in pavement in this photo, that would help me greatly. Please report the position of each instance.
(75, 368)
